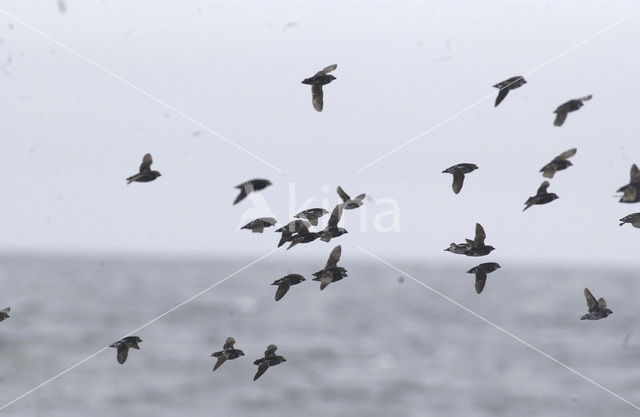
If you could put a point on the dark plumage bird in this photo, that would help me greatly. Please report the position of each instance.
(571, 105)
(331, 272)
(145, 174)
(631, 191)
(228, 352)
(541, 197)
(250, 186)
(597, 309)
(123, 346)
(4, 314)
(559, 163)
(475, 247)
(258, 225)
(348, 202)
(481, 272)
(296, 226)
(458, 172)
(332, 230)
(312, 215)
(321, 78)
(633, 219)
(303, 237)
(270, 359)
(506, 85)
(285, 282)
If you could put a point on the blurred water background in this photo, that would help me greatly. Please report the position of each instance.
(368, 345)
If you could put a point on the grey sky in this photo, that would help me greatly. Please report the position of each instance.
(72, 133)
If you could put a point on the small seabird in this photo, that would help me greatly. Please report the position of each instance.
(4, 314)
(597, 309)
(321, 78)
(312, 215)
(270, 359)
(332, 230)
(303, 237)
(541, 197)
(559, 163)
(506, 85)
(571, 105)
(285, 282)
(145, 174)
(631, 191)
(633, 219)
(258, 225)
(250, 186)
(331, 272)
(475, 247)
(123, 346)
(348, 202)
(458, 172)
(296, 226)
(227, 352)
(481, 272)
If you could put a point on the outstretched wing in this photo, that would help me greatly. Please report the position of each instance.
(585, 98)
(344, 196)
(566, 154)
(317, 97)
(334, 257)
(6, 310)
(123, 351)
(602, 303)
(480, 235)
(561, 116)
(592, 304)
(228, 344)
(458, 180)
(262, 368)
(543, 188)
(330, 68)
(501, 95)
(481, 279)
(146, 163)
(336, 214)
(281, 291)
(634, 174)
(221, 359)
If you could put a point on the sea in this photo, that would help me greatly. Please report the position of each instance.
(411, 341)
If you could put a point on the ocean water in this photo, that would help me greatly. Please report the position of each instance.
(365, 346)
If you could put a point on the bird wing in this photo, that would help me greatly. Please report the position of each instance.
(543, 188)
(480, 235)
(146, 163)
(334, 257)
(360, 196)
(317, 97)
(344, 196)
(561, 116)
(325, 279)
(336, 214)
(221, 359)
(458, 180)
(602, 303)
(592, 304)
(123, 351)
(281, 291)
(262, 368)
(271, 350)
(481, 279)
(501, 95)
(240, 196)
(6, 310)
(634, 174)
(330, 68)
(228, 344)
(585, 98)
(566, 154)
(549, 170)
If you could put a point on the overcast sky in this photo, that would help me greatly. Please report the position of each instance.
(72, 132)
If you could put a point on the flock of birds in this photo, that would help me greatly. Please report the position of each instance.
(298, 230)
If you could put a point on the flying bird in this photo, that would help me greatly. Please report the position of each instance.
(458, 172)
(481, 272)
(123, 346)
(348, 202)
(331, 272)
(145, 174)
(312, 215)
(541, 197)
(597, 309)
(475, 247)
(285, 282)
(559, 163)
(228, 352)
(296, 226)
(632, 219)
(506, 85)
(321, 78)
(303, 237)
(250, 186)
(258, 225)
(631, 191)
(270, 359)
(332, 230)
(4, 313)
(571, 105)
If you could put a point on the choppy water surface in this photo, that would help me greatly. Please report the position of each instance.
(365, 346)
